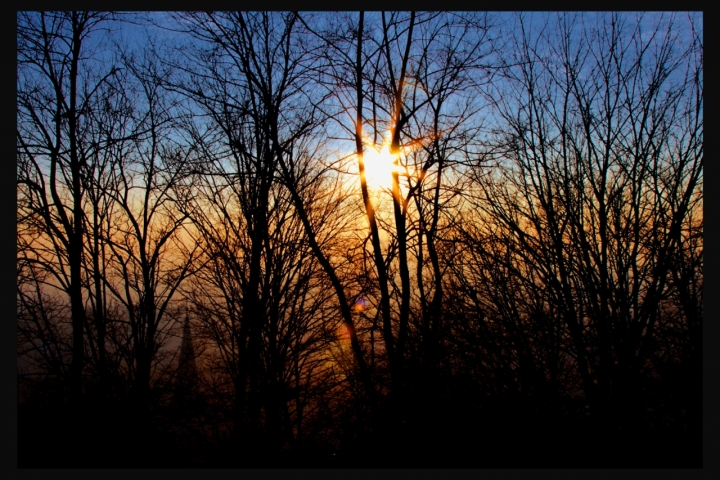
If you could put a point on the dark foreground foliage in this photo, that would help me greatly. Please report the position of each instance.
(457, 426)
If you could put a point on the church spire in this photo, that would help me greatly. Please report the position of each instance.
(187, 369)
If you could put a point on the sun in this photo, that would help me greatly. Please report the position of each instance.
(379, 167)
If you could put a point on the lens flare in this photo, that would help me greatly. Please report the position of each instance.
(360, 305)
(343, 334)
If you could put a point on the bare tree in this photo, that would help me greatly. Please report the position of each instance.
(411, 69)
(58, 83)
(597, 183)
(381, 228)
(262, 298)
(151, 251)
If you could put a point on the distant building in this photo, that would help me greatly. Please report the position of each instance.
(186, 376)
(186, 398)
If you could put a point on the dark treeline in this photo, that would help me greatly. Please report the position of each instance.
(359, 239)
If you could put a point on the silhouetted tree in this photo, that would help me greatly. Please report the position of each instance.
(530, 268)
(595, 190)
(151, 249)
(402, 75)
(262, 301)
(59, 82)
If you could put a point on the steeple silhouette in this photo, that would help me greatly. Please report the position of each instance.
(187, 369)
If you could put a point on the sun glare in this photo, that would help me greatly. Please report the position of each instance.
(379, 167)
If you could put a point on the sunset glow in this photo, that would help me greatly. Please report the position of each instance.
(385, 239)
